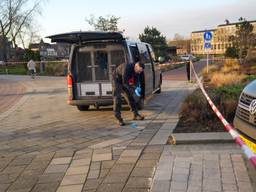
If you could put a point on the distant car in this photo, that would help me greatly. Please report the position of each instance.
(188, 58)
(245, 118)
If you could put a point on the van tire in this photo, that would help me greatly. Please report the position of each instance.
(83, 107)
(140, 104)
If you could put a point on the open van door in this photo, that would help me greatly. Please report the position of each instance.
(80, 37)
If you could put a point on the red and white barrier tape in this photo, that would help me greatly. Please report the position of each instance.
(236, 136)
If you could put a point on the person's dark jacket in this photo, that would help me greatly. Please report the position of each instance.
(124, 73)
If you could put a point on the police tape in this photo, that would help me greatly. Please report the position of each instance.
(235, 135)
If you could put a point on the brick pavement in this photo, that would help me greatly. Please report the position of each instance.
(10, 93)
(46, 145)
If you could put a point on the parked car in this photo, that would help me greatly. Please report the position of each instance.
(245, 118)
(94, 56)
(188, 58)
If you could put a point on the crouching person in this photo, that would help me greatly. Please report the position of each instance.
(120, 84)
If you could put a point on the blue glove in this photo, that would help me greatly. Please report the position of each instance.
(138, 91)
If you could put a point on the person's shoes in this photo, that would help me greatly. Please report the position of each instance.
(138, 117)
(121, 122)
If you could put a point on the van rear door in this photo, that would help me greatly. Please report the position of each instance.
(93, 65)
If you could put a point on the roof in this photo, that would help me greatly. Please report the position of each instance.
(84, 36)
(235, 23)
(203, 31)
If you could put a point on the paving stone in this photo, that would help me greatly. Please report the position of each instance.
(245, 186)
(51, 177)
(80, 162)
(110, 187)
(116, 178)
(194, 189)
(107, 164)
(139, 182)
(143, 172)
(43, 187)
(214, 185)
(77, 170)
(163, 175)
(95, 165)
(56, 168)
(180, 177)
(122, 168)
(178, 186)
(178, 170)
(64, 153)
(229, 187)
(93, 174)
(150, 156)
(73, 179)
(103, 173)
(127, 160)
(22, 184)
(14, 169)
(131, 153)
(6, 178)
(136, 190)
(4, 187)
(61, 160)
(102, 157)
(161, 186)
(69, 188)
(146, 163)
(91, 184)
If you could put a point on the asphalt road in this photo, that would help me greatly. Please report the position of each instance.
(180, 74)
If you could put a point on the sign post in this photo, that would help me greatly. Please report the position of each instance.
(207, 45)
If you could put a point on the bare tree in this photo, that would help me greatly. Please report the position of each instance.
(16, 17)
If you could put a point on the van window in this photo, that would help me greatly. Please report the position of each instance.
(135, 53)
(101, 65)
(144, 54)
(152, 54)
(83, 66)
(117, 58)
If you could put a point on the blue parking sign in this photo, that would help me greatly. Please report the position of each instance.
(207, 45)
(208, 36)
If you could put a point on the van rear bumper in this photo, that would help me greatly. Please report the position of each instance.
(105, 101)
(246, 128)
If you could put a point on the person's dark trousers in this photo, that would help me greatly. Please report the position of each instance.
(118, 89)
(188, 71)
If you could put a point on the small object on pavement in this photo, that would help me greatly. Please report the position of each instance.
(134, 125)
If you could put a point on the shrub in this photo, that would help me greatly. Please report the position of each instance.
(196, 111)
(219, 79)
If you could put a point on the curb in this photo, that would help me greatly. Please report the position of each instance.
(202, 138)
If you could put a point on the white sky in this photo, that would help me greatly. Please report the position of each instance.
(168, 16)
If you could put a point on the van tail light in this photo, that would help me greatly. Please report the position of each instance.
(70, 88)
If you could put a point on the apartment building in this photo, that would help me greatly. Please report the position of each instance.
(220, 41)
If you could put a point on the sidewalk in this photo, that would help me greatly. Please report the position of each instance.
(46, 145)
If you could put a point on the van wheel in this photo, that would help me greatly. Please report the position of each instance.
(140, 104)
(82, 107)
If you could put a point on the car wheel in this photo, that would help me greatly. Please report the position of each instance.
(140, 104)
(82, 107)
